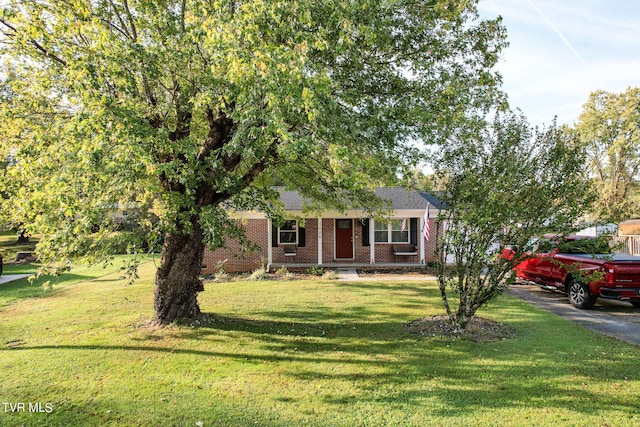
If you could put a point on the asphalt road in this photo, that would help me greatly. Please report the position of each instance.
(609, 317)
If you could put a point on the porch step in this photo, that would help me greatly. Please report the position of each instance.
(348, 274)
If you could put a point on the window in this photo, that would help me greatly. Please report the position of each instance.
(400, 231)
(395, 231)
(288, 233)
(381, 232)
(344, 224)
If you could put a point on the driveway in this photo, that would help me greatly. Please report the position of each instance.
(8, 278)
(609, 317)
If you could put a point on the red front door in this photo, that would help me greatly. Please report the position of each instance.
(344, 239)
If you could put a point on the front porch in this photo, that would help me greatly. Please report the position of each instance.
(358, 265)
(330, 239)
(349, 240)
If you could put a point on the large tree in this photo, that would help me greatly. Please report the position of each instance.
(506, 183)
(185, 106)
(609, 129)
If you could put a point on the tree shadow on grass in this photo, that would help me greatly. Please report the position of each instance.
(418, 288)
(335, 325)
(23, 288)
(360, 355)
(463, 377)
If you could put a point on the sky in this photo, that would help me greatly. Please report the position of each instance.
(562, 50)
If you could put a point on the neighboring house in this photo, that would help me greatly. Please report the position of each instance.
(599, 230)
(334, 239)
(629, 236)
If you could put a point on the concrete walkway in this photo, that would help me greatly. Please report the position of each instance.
(348, 274)
(7, 278)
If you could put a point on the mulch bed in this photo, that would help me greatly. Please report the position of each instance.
(478, 330)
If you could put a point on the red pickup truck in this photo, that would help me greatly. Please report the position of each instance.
(618, 276)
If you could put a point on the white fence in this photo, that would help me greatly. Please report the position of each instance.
(630, 244)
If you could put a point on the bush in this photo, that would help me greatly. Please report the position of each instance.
(284, 273)
(258, 274)
(221, 276)
(125, 242)
(331, 275)
(316, 270)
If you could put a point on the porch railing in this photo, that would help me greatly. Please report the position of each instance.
(629, 245)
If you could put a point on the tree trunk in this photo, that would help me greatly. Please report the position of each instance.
(462, 318)
(178, 276)
(467, 308)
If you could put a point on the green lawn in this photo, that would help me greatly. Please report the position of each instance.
(9, 245)
(24, 288)
(289, 353)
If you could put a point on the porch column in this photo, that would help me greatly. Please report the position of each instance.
(269, 245)
(372, 241)
(421, 238)
(320, 240)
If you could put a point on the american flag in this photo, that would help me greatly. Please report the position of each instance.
(427, 228)
(404, 225)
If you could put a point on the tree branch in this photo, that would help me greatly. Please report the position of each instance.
(270, 157)
(123, 25)
(134, 32)
(221, 127)
(37, 45)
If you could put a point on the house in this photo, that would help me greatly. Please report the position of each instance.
(629, 237)
(335, 239)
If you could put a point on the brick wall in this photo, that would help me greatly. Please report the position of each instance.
(328, 239)
(257, 232)
(233, 259)
(304, 255)
(430, 247)
(362, 253)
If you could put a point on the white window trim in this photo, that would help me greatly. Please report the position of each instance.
(390, 233)
(295, 230)
(376, 231)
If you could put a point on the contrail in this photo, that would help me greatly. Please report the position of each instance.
(559, 33)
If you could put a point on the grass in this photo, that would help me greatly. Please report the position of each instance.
(9, 245)
(287, 353)
(26, 288)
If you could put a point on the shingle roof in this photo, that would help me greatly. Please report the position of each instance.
(399, 198)
(433, 200)
(292, 200)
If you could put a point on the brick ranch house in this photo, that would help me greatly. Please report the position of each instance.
(334, 239)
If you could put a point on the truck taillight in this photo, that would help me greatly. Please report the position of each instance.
(608, 274)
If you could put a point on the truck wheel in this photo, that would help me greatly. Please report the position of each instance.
(579, 295)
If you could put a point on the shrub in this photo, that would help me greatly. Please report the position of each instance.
(331, 275)
(316, 270)
(221, 276)
(258, 274)
(283, 273)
